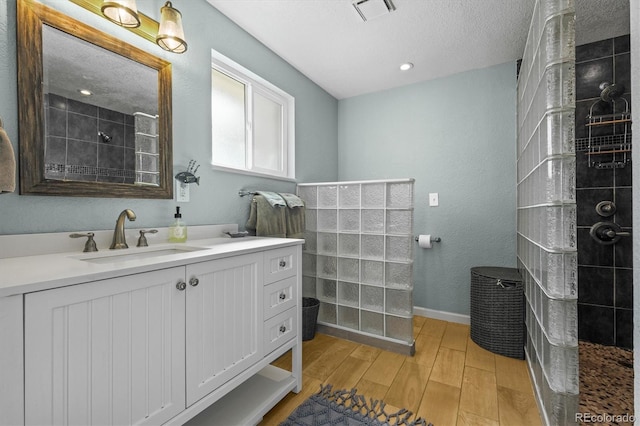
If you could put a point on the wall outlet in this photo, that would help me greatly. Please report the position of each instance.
(433, 199)
(182, 190)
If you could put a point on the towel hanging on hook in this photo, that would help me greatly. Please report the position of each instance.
(7, 162)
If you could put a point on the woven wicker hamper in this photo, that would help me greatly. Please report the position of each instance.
(497, 310)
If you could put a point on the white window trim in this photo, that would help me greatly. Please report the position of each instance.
(267, 89)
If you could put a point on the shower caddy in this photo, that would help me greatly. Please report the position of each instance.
(611, 151)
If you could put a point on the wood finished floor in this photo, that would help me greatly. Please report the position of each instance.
(450, 380)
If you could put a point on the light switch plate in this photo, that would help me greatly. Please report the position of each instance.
(433, 199)
(182, 190)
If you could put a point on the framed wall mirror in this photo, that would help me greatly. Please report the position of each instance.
(94, 112)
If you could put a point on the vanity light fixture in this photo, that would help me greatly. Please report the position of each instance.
(406, 66)
(121, 12)
(170, 35)
(85, 92)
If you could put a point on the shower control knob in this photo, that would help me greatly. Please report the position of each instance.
(606, 208)
(607, 233)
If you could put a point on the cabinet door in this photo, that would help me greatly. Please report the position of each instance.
(224, 321)
(106, 352)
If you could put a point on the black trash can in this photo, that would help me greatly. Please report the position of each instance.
(310, 307)
(497, 310)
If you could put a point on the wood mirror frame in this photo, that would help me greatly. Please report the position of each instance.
(31, 16)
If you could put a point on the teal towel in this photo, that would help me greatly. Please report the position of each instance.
(273, 198)
(292, 200)
(265, 220)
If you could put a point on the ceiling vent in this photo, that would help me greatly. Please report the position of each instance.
(371, 9)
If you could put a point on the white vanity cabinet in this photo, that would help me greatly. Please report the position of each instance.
(280, 298)
(106, 352)
(224, 321)
(166, 345)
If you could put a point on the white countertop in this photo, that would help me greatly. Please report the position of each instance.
(45, 271)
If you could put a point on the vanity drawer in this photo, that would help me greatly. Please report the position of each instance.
(280, 329)
(279, 296)
(280, 264)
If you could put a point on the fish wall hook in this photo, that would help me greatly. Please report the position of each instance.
(189, 175)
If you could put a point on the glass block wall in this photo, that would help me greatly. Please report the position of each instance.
(147, 151)
(547, 256)
(358, 255)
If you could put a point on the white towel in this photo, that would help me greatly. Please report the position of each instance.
(7, 164)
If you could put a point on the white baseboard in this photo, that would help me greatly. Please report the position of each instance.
(441, 315)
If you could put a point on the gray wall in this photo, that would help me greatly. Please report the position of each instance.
(216, 199)
(455, 136)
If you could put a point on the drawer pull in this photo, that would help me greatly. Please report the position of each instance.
(283, 329)
(181, 285)
(194, 281)
(283, 263)
(282, 296)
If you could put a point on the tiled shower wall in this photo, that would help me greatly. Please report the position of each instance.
(547, 256)
(75, 151)
(605, 296)
(358, 255)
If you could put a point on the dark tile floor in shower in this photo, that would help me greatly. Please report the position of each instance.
(606, 381)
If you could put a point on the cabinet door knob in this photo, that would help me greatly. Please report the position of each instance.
(283, 329)
(194, 281)
(282, 296)
(283, 263)
(181, 285)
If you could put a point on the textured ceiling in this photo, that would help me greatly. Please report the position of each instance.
(328, 42)
(117, 83)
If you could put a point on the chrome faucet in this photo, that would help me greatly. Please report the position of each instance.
(119, 240)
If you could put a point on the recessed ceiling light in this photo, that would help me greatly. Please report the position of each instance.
(85, 92)
(406, 66)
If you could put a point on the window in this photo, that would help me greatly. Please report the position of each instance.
(252, 122)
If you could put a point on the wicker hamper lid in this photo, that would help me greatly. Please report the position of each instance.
(498, 273)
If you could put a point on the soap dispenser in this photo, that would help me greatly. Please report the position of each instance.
(178, 229)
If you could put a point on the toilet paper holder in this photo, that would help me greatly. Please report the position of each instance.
(432, 239)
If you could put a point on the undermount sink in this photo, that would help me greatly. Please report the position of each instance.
(119, 256)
